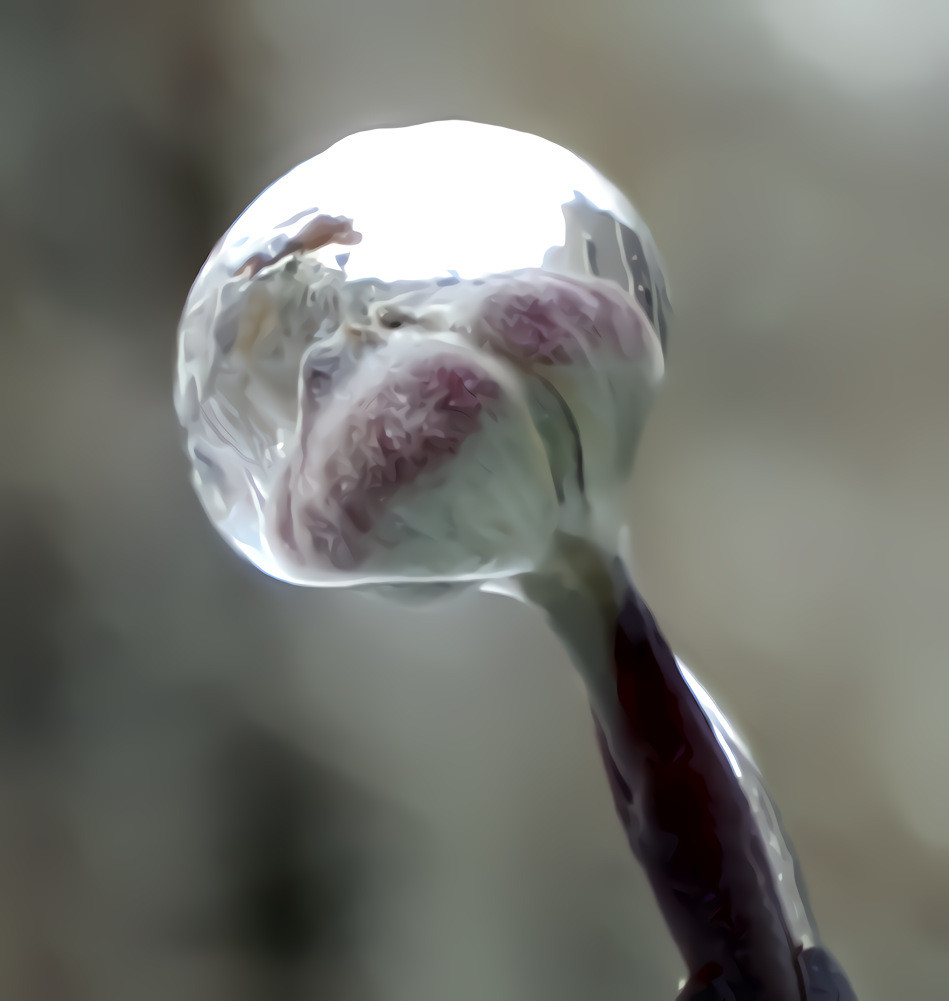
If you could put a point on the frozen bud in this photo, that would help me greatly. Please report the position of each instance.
(427, 466)
(546, 319)
(418, 355)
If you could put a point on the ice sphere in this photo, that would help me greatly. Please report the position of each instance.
(417, 356)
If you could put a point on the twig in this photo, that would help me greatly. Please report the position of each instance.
(689, 798)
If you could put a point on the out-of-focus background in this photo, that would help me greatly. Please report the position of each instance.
(215, 787)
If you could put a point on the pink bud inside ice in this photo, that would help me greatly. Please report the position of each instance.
(551, 319)
(365, 452)
(419, 372)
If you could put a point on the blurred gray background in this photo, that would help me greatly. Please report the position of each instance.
(213, 786)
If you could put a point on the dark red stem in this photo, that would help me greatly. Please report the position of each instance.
(690, 799)
(691, 826)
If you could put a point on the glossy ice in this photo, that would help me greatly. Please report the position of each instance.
(418, 355)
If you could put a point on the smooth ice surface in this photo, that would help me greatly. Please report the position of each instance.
(417, 355)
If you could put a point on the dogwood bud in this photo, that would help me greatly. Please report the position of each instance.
(417, 356)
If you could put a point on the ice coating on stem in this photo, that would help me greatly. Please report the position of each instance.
(417, 356)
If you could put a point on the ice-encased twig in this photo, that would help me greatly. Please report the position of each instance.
(689, 797)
